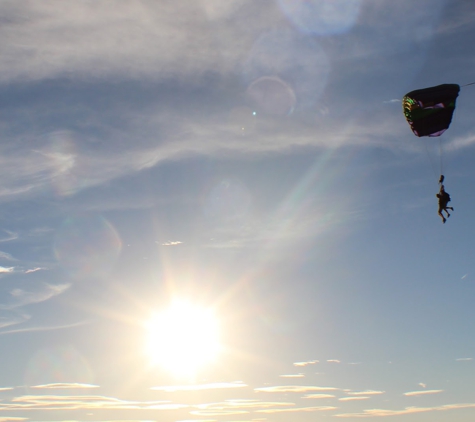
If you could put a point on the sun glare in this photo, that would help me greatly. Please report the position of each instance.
(183, 338)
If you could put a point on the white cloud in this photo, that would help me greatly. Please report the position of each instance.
(299, 409)
(423, 392)
(365, 393)
(33, 270)
(175, 243)
(371, 413)
(292, 376)
(318, 396)
(149, 39)
(7, 256)
(353, 398)
(461, 142)
(306, 363)
(198, 387)
(34, 294)
(61, 386)
(293, 389)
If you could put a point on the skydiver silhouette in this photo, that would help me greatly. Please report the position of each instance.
(444, 199)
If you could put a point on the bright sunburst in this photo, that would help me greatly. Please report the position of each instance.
(183, 338)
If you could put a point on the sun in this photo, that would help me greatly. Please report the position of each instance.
(183, 338)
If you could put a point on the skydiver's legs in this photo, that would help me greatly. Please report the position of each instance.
(441, 215)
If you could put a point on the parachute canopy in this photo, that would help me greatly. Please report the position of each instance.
(429, 111)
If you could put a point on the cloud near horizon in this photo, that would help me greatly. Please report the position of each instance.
(423, 392)
(371, 413)
(293, 389)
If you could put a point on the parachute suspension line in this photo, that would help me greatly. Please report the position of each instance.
(472, 83)
(431, 158)
(441, 157)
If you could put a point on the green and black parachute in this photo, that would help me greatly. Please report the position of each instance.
(429, 111)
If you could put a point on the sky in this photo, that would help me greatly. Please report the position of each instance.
(215, 211)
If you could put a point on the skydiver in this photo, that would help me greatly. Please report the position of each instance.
(444, 199)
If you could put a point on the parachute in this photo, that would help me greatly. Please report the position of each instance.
(429, 111)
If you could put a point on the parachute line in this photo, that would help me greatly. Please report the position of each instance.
(441, 157)
(472, 83)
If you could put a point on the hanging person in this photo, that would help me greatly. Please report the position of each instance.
(444, 199)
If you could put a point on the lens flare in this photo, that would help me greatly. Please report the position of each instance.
(322, 17)
(271, 95)
(87, 246)
(227, 202)
(298, 60)
(58, 364)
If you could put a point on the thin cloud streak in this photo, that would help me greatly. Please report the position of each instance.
(310, 362)
(60, 386)
(299, 409)
(293, 389)
(353, 398)
(371, 413)
(365, 393)
(422, 393)
(319, 396)
(21, 296)
(45, 328)
(292, 376)
(199, 387)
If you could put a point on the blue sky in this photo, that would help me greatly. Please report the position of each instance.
(251, 162)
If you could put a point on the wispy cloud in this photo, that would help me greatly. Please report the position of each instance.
(43, 328)
(371, 413)
(236, 407)
(292, 376)
(365, 393)
(61, 386)
(171, 243)
(7, 256)
(8, 235)
(318, 396)
(243, 404)
(33, 294)
(333, 361)
(65, 402)
(353, 398)
(218, 412)
(461, 142)
(464, 359)
(11, 317)
(299, 409)
(306, 363)
(198, 387)
(423, 392)
(293, 389)
(34, 270)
